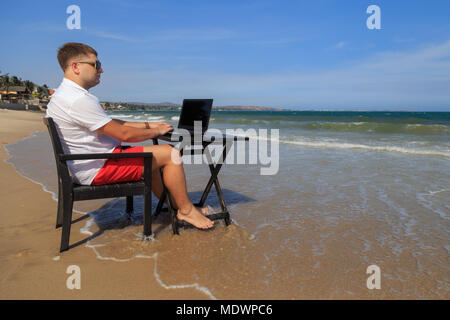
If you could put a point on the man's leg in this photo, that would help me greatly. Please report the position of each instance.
(157, 188)
(175, 181)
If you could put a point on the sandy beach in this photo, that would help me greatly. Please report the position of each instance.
(308, 232)
(31, 267)
(324, 143)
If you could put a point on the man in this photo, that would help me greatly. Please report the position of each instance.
(84, 127)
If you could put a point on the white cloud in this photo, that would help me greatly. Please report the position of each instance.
(341, 45)
(403, 40)
(170, 35)
(193, 35)
(273, 42)
(115, 36)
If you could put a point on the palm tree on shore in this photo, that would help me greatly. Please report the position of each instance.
(5, 82)
(29, 86)
(3, 77)
(46, 90)
(43, 91)
(16, 81)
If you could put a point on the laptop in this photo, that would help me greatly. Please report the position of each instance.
(194, 110)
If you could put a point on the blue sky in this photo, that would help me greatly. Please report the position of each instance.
(294, 54)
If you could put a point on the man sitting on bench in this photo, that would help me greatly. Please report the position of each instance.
(84, 127)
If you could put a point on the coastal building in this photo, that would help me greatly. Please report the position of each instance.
(14, 93)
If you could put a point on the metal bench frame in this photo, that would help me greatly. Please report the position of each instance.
(68, 191)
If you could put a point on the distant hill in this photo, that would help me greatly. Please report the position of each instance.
(174, 106)
(157, 104)
(246, 108)
(171, 104)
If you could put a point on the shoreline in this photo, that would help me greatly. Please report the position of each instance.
(31, 266)
(383, 213)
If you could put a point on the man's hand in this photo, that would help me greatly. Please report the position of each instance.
(162, 127)
(118, 130)
(155, 124)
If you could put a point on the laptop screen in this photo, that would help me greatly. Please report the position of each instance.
(195, 110)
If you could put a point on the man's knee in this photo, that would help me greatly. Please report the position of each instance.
(165, 154)
(175, 155)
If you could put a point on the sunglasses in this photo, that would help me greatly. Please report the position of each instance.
(96, 64)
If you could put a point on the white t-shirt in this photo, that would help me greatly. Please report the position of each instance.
(77, 114)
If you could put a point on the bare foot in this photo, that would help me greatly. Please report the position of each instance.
(203, 210)
(196, 218)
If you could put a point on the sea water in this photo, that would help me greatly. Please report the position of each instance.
(353, 189)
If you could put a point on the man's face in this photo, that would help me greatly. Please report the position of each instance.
(88, 74)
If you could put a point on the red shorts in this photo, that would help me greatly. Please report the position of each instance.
(120, 170)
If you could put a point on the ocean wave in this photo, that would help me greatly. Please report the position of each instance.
(131, 117)
(347, 145)
(123, 115)
(334, 145)
(364, 127)
(252, 121)
(154, 117)
(382, 128)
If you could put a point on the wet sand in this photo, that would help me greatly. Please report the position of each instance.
(30, 267)
(306, 233)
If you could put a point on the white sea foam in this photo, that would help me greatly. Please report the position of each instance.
(428, 203)
(439, 191)
(346, 145)
(154, 118)
(196, 286)
(407, 219)
(87, 226)
(91, 222)
(123, 116)
(7, 160)
(100, 257)
(205, 290)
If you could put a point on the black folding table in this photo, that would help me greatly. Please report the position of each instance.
(227, 142)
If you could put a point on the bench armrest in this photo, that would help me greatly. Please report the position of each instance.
(207, 138)
(91, 156)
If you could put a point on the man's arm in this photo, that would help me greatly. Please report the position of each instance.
(139, 124)
(131, 133)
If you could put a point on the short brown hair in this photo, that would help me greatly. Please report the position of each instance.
(71, 50)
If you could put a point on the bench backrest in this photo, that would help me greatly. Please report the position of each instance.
(64, 178)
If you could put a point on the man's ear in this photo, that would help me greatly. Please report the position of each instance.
(74, 67)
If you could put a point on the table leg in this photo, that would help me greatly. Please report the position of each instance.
(215, 180)
(214, 169)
